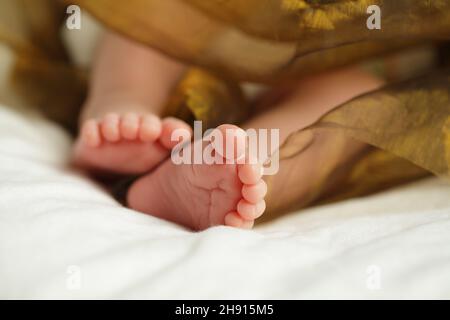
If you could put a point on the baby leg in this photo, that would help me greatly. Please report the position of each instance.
(121, 131)
(312, 98)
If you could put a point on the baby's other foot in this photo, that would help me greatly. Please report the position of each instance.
(125, 144)
(199, 196)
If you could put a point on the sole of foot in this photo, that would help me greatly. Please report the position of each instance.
(199, 196)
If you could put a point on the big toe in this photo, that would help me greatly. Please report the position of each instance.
(229, 141)
(172, 130)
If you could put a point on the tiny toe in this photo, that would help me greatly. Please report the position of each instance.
(250, 173)
(254, 193)
(110, 127)
(233, 219)
(249, 211)
(150, 128)
(169, 125)
(90, 133)
(248, 224)
(129, 126)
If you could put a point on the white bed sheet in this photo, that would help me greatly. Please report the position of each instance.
(63, 237)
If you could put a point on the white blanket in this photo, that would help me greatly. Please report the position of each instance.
(61, 236)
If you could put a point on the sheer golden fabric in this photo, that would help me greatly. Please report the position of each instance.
(267, 41)
(408, 120)
(42, 75)
(263, 40)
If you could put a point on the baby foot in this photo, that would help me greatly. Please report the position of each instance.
(125, 144)
(203, 195)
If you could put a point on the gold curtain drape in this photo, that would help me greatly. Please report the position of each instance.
(263, 40)
(42, 75)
